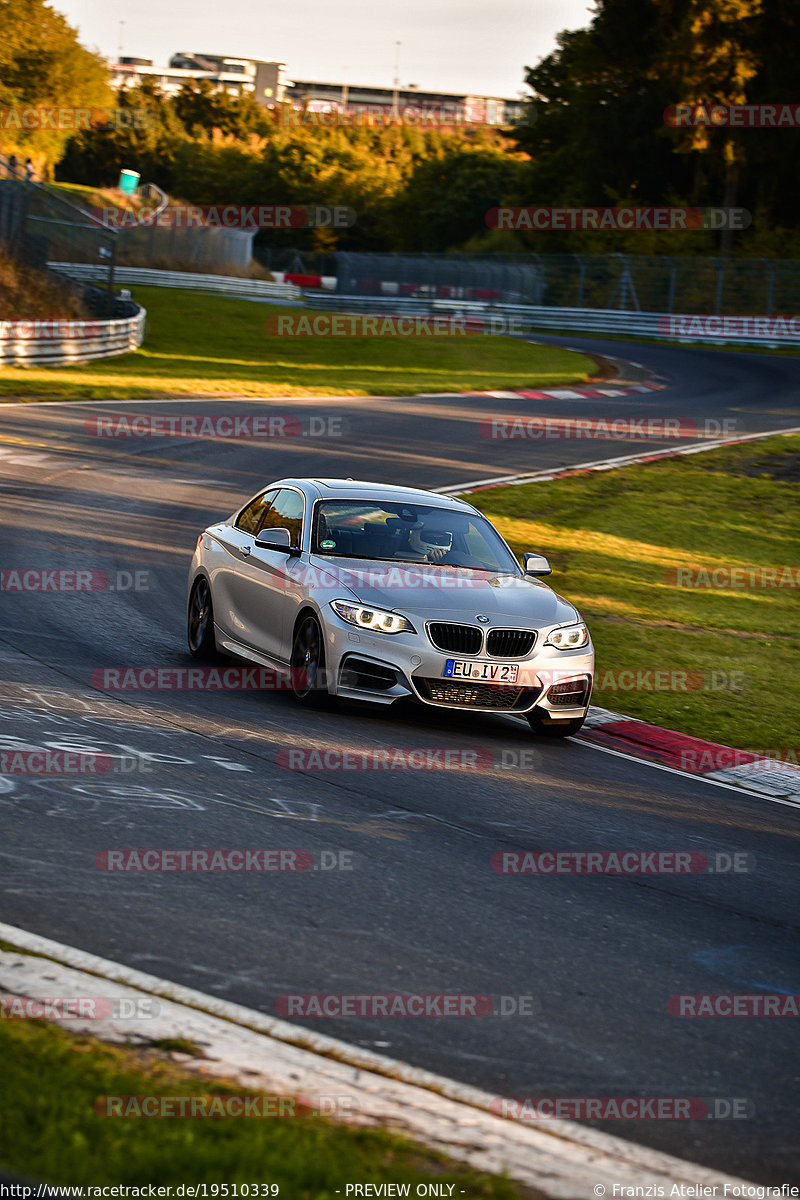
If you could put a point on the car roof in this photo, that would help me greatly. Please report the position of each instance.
(360, 489)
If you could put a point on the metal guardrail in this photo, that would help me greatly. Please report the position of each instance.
(226, 285)
(644, 283)
(767, 332)
(38, 223)
(57, 343)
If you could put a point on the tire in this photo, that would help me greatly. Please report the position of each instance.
(554, 729)
(308, 664)
(200, 622)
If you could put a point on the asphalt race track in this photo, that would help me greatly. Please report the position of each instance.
(421, 910)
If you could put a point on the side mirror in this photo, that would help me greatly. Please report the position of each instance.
(273, 539)
(536, 564)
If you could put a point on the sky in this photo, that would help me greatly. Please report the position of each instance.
(480, 46)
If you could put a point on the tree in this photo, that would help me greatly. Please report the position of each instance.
(201, 109)
(43, 66)
(446, 199)
(145, 139)
(712, 59)
(599, 106)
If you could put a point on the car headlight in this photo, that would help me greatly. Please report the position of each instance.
(374, 620)
(568, 637)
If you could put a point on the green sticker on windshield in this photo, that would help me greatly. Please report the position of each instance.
(328, 545)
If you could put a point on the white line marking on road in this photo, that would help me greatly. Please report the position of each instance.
(605, 464)
(687, 774)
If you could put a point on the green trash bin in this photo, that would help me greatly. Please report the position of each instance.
(129, 181)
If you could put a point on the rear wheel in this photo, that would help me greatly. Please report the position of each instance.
(554, 729)
(200, 623)
(308, 663)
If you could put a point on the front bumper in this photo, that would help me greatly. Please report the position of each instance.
(382, 669)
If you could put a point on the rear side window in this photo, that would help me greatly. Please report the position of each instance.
(250, 517)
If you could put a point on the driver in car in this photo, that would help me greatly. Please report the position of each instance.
(428, 545)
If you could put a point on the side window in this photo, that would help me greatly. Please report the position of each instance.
(285, 512)
(249, 518)
(479, 547)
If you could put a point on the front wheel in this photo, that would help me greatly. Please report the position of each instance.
(200, 623)
(308, 663)
(554, 729)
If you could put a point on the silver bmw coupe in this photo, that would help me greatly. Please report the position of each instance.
(379, 593)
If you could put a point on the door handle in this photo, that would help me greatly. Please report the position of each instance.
(246, 550)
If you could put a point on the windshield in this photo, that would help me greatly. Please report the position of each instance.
(411, 533)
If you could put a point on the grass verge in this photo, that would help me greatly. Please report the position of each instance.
(615, 541)
(211, 345)
(27, 294)
(52, 1079)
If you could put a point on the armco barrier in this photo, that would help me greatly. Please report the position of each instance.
(55, 343)
(226, 285)
(524, 318)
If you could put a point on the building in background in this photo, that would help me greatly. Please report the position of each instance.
(267, 83)
(409, 103)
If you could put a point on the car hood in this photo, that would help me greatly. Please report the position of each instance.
(441, 594)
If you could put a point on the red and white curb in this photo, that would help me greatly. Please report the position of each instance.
(651, 381)
(750, 769)
(575, 392)
(779, 780)
(326, 282)
(604, 464)
(557, 1158)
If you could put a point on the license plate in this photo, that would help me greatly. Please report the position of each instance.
(485, 672)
